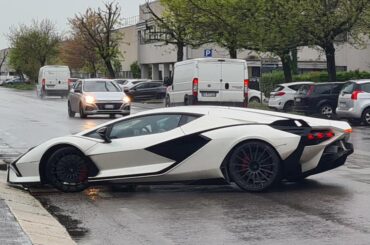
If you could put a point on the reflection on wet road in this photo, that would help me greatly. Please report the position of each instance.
(330, 208)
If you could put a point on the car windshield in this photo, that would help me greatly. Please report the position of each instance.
(100, 86)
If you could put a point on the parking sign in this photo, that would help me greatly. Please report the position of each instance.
(208, 53)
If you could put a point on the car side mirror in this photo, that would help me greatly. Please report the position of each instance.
(168, 81)
(104, 134)
(125, 89)
(77, 91)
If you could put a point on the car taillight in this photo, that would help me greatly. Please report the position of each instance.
(246, 87)
(195, 87)
(355, 94)
(281, 93)
(318, 136)
(310, 91)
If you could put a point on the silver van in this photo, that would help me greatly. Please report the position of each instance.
(354, 101)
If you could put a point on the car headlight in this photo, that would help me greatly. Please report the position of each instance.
(89, 99)
(126, 99)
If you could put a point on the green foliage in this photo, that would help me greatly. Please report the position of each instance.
(21, 86)
(270, 80)
(135, 70)
(33, 46)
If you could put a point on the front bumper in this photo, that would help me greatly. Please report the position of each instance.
(101, 108)
(14, 176)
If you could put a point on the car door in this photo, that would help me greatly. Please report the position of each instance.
(134, 146)
(138, 91)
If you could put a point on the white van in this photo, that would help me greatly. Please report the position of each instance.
(208, 81)
(53, 81)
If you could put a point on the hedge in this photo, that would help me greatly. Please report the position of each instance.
(270, 80)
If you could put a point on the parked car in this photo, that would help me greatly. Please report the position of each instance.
(254, 92)
(97, 96)
(146, 90)
(318, 98)
(209, 81)
(282, 97)
(253, 149)
(16, 80)
(128, 83)
(53, 81)
(354, 101)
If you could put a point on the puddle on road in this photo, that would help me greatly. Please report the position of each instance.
(73, 226)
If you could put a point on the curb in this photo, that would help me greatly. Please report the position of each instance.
(40, 226)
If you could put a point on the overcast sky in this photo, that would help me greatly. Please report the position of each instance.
(14, 12)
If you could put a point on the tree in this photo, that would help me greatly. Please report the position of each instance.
(135, 70)
(278, 29)
(329, 21)
(78, 55)
(3, 57)
(32, 47)
(177, 25)
(98, 29)
(228, 23)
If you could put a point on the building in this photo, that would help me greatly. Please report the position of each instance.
(156, 59)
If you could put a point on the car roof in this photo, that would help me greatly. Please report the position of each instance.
(360, 81)
(96, 79)
(328, 83)
(296, 83)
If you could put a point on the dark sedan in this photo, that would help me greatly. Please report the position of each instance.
(147, 91)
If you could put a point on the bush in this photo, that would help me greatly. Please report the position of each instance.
(21, 86)
(270, 80)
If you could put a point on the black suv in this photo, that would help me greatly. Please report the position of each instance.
(318, 98)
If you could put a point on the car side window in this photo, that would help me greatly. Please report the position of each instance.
(145, 125)
(185, 119)
(323, 89)
(142, 86)
(365, 87)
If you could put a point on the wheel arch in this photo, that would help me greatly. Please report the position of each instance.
(256, 98)
(93, 171)
(325, 102)
(224, 168)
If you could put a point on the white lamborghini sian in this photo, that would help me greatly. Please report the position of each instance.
(252, 148)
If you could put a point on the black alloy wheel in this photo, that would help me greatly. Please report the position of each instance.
(327, 111)
(254, 166)
(67, 170)
(70, 112)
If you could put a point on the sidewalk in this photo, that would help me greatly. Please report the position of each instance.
(23, 220)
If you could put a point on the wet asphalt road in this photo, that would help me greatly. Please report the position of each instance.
(330, 208)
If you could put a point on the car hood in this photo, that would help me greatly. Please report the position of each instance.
(110, 96)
